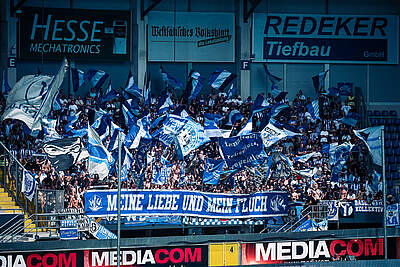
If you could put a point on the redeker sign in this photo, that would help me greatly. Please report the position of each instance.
(326, 38)
(74, 33)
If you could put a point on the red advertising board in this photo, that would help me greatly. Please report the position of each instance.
(312, 250)
(166, 256)
(184, 256)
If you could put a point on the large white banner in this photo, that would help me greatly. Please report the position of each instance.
(372, 39)
(191, 36)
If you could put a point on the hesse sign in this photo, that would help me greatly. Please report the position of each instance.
(326, 38)
(318, 250)
(75, 33)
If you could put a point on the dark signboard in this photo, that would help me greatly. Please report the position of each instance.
(311, 250)
(74, 33)
(326, 38)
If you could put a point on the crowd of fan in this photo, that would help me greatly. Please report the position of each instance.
(354, 182)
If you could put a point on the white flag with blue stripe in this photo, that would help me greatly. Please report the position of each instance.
(220, 79)
(373, 140)
(100, 160)
(272, 134)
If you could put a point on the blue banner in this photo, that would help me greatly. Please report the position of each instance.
(186, 203)
(242, 150)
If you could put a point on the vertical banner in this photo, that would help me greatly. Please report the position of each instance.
(329, 38)
(191, 36)
(74, 33)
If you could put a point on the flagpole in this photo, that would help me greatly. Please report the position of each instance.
(119, 202)
(384, 189)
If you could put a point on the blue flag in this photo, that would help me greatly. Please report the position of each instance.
(161, 174)
(319, 81)
(71, 121)
(232, 91)
(242, 150)
(220, 79)
(5, 87)
(165, 103)
(109, 95)
(196, 85)
(212, 171)
(126, 163)
(132, 88)
(345, 88)
(96, 78)
(78, 78)
(145, 146)
(169, 80)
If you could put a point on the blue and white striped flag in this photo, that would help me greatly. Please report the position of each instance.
(313, 109)
(96, 78)
(100, 160)
(78, 78)
(138, 131)
(220, 79)
(130, 119)
(373, 140)
(29, 185)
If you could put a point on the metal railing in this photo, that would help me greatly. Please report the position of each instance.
(11, 179)
(316, 212)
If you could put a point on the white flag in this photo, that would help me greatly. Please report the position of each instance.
(29, 185)
(32, 97)
(271, 134)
